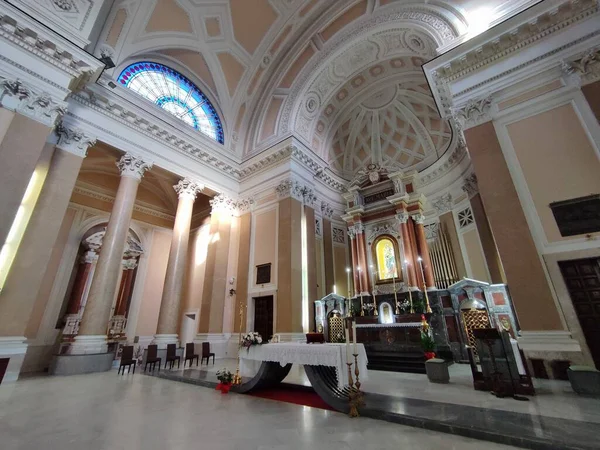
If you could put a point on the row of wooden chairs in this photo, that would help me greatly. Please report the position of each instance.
(127, 359)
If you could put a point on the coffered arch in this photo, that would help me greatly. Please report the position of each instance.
(314, 69)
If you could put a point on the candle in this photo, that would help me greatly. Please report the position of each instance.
(372, 278)
(334, 289)
(359, 281)
(422, 273)
(347, 345)
(348, 275)
(354, 336)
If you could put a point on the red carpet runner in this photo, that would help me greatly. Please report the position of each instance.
(298, 395)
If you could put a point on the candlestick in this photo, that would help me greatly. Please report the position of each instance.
(347, 345)
(354, 334)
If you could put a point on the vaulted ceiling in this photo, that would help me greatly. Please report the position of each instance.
(307, 67)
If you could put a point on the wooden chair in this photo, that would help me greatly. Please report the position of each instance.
(172, 356)
(206, 353)
(152, 358)
(190, 355)
(127, 360)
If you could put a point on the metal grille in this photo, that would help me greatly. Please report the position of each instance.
(336, 329)
(474, 319)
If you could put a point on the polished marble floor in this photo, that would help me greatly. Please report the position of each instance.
(554, 398)
(112, 412)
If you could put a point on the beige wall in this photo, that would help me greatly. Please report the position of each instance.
(475, 256)
(320, 269)
(570, 165)
(488, 245)
(525, 275)
(289, 267)
(265, 235)
(447, 221)
(339, 269)
(194, 281)
(244, 272)
(328, 256)
(153, 286)
(48, 281)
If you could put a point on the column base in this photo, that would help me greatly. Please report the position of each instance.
(12, 348)
(161, 340)
(88, 344)
(82, 363)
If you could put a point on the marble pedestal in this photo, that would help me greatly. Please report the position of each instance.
(78, 364)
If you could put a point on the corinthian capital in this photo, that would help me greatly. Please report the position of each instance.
(402, 217)
(187, 187)
(475, 112)
(419, 218)
(223, 203)
(73, 140)
(132, 166)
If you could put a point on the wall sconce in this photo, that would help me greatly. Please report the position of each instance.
(232, 292)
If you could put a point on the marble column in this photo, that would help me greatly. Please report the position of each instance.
(354, 255)
(424, 251)
(92, 331)
(361, 246)
(21, 143)
(215, 287)
(168, 317)
(403, 218)
(27, 271)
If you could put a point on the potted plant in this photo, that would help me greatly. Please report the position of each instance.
(225, 378)
(427, 341)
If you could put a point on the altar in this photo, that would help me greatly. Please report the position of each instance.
(327, 355)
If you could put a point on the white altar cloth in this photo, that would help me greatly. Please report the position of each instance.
(332, 355)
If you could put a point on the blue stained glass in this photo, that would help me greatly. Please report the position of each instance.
(175, 94)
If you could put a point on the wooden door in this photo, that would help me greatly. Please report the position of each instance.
(263, 316)
(582, 277)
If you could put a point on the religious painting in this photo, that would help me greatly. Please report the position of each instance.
(386, 259)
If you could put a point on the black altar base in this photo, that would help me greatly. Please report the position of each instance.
(530, 431)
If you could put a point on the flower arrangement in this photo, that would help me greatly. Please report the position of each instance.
(250, 339)
(225, 378)
(427, 341)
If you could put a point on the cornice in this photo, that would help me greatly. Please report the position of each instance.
(518, 39)
(29, 35)
(156, 130)
(93, 192)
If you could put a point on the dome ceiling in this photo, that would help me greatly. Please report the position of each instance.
(397, 127)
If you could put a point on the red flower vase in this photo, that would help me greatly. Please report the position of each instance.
(225, 388)
(429, 355)
(219, 386)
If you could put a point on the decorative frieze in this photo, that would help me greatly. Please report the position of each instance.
(132, 166)
(382, 229)
(187, 187)
(73, 140)
(471, 187)
(443, 204)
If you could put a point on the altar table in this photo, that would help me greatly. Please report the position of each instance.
(331, 355)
